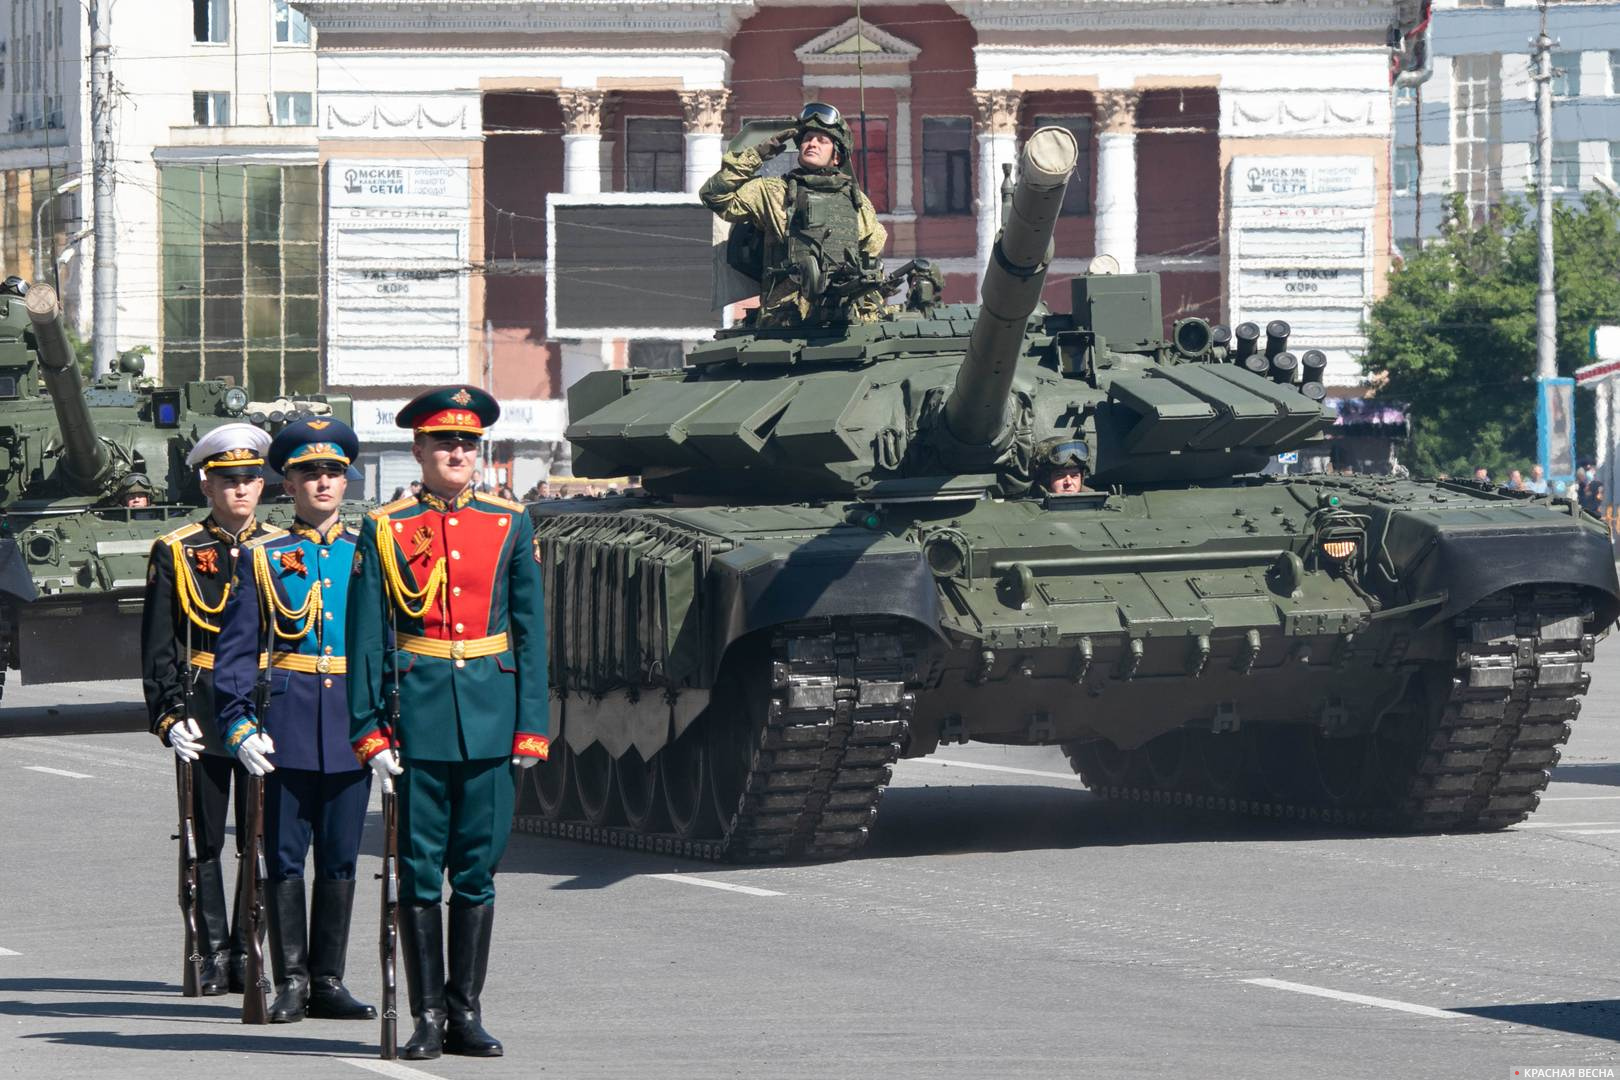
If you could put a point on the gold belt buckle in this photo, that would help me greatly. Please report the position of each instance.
(458, 650)
(323, 664)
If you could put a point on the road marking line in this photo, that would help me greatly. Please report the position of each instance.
(8, 952)
(59, 772)
(1071, 777)
(1593, 832)
(1359, 999)
(1559, 824)
(688, 879)
(389, 1068)
(1580, 798)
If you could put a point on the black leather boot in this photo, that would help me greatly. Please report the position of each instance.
(331, 905)
(213, 929)
(470, 929)
(236, 966)
(421, 939)
(289, 950)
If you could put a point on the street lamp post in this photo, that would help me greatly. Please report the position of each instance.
(39, 226)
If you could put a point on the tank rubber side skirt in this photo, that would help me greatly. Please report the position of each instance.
(1487, 749)
(835, 721)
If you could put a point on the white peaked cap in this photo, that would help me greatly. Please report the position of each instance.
(228, 437)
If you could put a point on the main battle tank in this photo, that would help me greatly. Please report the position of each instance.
(844, 557)
(72, 461)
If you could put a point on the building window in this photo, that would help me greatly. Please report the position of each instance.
(211, 20)
(657, 355)
(654, 158)
(1077, 199)
(875, 177)
(295, 108)
(211, 108)
(1405, 178)
(1614, 162)
(292, 26)
(241, 276)
(1566, 80)
(1614, 71)
(1566, 166)
(1476, 136)
(947, 165)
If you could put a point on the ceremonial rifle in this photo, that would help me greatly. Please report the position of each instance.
(257, 984)
(388, 939)
(190, 890)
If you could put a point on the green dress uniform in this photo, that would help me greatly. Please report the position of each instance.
(446, 599)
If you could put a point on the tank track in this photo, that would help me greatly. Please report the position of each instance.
(835, 720)
(1488, 748)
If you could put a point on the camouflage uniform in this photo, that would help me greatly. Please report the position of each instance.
(738, 195)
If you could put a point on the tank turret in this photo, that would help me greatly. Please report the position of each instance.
(976, 412)
(85, 465)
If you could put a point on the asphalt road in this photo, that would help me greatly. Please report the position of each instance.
(1003, 923)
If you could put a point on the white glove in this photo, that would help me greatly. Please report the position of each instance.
(523, 761)
(185, 739)
(254, 753)
(385, 766)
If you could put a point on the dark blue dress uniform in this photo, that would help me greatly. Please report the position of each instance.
(447, 599)
(286, 618)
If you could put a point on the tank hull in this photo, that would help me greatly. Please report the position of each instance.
(1192, 645)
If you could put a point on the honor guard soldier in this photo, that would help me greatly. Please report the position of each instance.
(449, 578)
(288, 607)
(188, 577)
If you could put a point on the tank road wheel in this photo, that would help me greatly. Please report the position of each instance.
(639, 796)
(551, 784)
(683, 775)
(1340, 769)
(1220, 761)
(594, 784)
(1102, 765)
(732, 733)
(1167, 759)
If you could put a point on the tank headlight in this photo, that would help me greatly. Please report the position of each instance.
(1338, 550)
(236, 400)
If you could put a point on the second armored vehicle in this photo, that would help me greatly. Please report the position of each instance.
(996, 523)
(89, 477)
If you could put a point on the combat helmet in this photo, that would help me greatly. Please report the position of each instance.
(820, 117)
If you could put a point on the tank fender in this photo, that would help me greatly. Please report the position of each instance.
(1469, 563)
(15, 580)
(822, 576)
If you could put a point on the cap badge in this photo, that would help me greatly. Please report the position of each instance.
(461, 397)
(320, 425)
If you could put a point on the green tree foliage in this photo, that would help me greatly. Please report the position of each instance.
(1455, 337)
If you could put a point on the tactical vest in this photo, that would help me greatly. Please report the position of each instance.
(823, 234)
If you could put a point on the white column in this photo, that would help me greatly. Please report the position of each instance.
(998, 145)
(582, 164)
(582, 140)
(704, 112)
(900, 153)
(1116, 176)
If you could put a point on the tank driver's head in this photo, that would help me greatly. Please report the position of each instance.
(824, 138)
(1061, 465)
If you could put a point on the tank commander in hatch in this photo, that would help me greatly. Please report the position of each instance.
(822, 238)
(1060, 466)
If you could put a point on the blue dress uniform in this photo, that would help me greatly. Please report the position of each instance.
(286, 619)
(452, 584)
(188, 578)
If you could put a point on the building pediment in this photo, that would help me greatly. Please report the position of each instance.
(851, 40)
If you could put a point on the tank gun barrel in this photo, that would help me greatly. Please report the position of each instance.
(86, 462)
(975, 413)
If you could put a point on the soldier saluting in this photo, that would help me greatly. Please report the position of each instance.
(188, 578)
(289, 600)
(822, 236)
(447, 601)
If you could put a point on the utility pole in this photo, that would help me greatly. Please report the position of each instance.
(1546, 300)
(104, 324)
